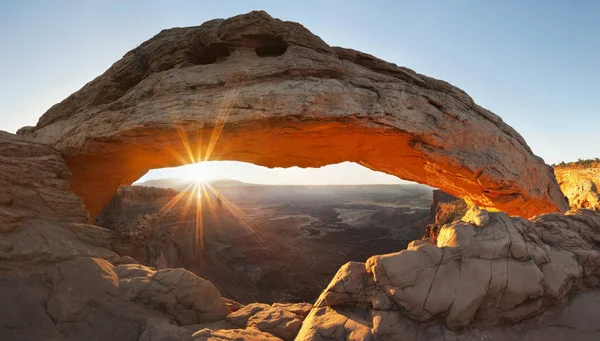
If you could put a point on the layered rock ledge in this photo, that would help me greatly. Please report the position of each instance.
(484, 275)
(61, 280)
(487, 276)
(257, 89)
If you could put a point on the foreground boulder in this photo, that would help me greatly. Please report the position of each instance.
(257, 89)
(488, 271)
(58, 278)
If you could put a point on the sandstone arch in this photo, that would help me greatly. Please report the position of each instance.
(277, 95)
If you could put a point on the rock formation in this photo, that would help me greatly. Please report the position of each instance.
(261, 90)
(489, 271)
(257, 89)
(58, 275)
(444, 209)
(439, 197)
(580, 185)
(488, 275)
(40, 220)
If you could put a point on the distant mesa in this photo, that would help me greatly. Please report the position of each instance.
(185, 184)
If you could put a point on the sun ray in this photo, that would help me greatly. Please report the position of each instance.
(182, 140)
(239, 215)
(199, 191)
(171, 203)
(199, 231)
(209, 203)
(186, 145)
(221, 119)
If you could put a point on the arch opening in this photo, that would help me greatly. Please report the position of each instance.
(288, 142)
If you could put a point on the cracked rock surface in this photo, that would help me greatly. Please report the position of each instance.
(503, 278)
(497, 278)
(257, 89)
(280, 96)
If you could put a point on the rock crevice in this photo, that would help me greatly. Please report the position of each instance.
(488, 271)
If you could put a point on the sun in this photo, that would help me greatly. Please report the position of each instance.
(203, 178)
(200, 173)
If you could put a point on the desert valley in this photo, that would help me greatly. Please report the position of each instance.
(488, 243)
(276, 243)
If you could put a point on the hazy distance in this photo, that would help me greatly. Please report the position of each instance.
(345, 173)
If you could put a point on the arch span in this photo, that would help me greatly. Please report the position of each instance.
(206, 92)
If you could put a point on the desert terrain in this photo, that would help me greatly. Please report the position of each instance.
(86, 256)
(266, 243)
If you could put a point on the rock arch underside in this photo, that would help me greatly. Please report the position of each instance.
(275, 94)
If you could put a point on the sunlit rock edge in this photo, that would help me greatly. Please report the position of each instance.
(486, 276)
(487, 273)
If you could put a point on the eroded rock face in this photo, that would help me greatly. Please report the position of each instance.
(487, 270)
(59, 277)
(445, 209)
(257, 89)
(580, 185)
(488, 276)
(40, 220)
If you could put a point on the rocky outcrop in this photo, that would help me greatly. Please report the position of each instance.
(61, 280)
(580, 185)
(489, 275)
(444, 209)
(257, 89)
(40, 220)
(257, 321)
(489, 271)
(439, 197)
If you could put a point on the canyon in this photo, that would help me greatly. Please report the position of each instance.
(511, 261)
(266, 243)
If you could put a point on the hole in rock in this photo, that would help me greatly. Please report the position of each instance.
(265, 234)
(212, 53)
(269, 46)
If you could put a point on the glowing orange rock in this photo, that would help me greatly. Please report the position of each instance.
(257, 89)
(580, 184)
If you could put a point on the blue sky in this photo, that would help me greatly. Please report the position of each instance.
(534, 63)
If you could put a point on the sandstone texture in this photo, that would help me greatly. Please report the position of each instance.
(253, 88)
(485, 275)
(61, 280)
(488, 276)
(257, 321)
(580, 185)
(40, 220)
(257, 89)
